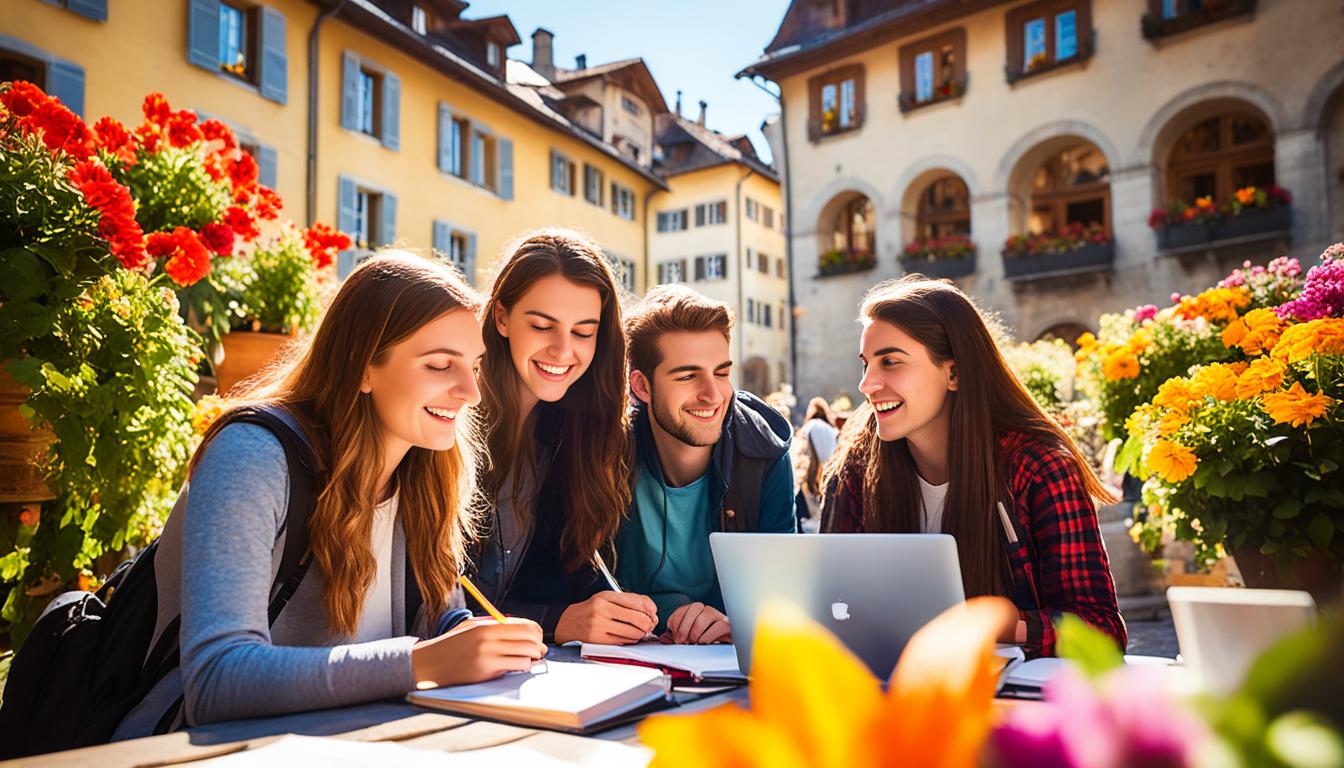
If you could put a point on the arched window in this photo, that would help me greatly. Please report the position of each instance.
(1219, 155)
(855, 228)
(944, 209)
(1072, 186)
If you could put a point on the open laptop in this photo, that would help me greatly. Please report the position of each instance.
(1222, 630)
(873, 590)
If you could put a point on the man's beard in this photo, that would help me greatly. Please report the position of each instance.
(677, 428)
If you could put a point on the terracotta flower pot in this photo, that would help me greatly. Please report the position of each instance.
(1318, 574)
(245, 354)
(20, 481)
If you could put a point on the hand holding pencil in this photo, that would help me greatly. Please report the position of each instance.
(477, 650)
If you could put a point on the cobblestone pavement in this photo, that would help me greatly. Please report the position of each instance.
(1152, 634)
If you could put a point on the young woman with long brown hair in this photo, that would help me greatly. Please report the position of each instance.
(555, 413)
(949, 441)
(380, 397)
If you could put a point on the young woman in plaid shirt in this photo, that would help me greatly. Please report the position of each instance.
(948, 440)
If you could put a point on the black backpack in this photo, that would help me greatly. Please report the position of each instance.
(87, 662)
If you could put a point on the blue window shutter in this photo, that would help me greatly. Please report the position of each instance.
(267, 159)
(391, 111)
(350, 91)
(477, 158)
(505, 174)
(65, 81)
(469, 265)
(90, 9)
(203, 33)
(388, 233)
(445, 138)
(345, 222)
(443, 232)
(274, 61)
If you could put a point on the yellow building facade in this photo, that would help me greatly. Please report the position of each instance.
(420, 139)
(719, 228)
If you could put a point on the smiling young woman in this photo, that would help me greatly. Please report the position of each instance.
(554, 414)
(949, 441)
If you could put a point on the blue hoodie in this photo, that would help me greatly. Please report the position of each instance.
(751, 489)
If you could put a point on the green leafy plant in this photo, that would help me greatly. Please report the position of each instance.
(276, 290)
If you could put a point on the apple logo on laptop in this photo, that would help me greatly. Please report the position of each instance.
(840, 611)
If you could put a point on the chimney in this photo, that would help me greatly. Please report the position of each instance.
(703, 106)
(543, 57)
(678, 102)
(581, 61)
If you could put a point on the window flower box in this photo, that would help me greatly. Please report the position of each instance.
(1073, 250)
(1253, 213)
(1254, 222)
(1156, 26)
(841, 262)
(948, 257)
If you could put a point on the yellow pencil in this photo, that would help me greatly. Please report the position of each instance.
(476, 593)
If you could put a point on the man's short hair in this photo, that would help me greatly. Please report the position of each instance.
(671, 309)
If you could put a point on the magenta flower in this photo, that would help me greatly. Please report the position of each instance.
(1146, 312)
(1323, 293)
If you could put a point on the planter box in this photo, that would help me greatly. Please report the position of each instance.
(942, 268)
(1186, 234)
(21, 482)
(1254, 224)
(246, 353)
(1155, 27)
(1096, 257)
(845, 268)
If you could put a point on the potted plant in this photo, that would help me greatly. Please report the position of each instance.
(1255, 211)
(273, 296)
(101, 357)
(1180, 226)
(947, 257)
(1074, 248)
(1244, 456)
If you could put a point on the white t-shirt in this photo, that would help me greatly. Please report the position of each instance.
(376, 622)
(934, 497)
(823, 437)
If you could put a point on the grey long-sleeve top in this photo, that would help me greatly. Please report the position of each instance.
(217, 557)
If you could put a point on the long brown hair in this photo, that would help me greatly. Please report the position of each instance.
(591, 466)
(381, 303)
(989, 401)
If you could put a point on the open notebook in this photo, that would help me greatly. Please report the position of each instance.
(566, 696)
(685, 663)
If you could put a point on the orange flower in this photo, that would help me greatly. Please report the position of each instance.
(1246, 195)
(1216, 380)
(1263, 374)
(1172, 421)
(1217, 305)
(1296, 407)
(1120, 365)
(1318, 337)
(1173, 462)
(207, 410)
(1254, 332)
(829, 711)
(1176, 394)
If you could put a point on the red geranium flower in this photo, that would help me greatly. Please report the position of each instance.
(242, 170)
(218, 238)
(182, 129)
(148, 136)
(61, 129)
(323, 242)
(242, 223)
(156, 109)
(116, 224)
(114, 139)
(214, 130)
(267, 203)
(188, 260)
(22, 98)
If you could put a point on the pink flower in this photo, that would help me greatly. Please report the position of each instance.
(1146, 312)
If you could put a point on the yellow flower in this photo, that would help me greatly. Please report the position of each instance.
(1087, 341)
(1318, 337)
(1171, 421)
(1139, 341)
(1120, 365)
(1217, 305)
(1263, 374)
(813, 704)
(1295, 407)
(1216, 380)
(1255, 332)
(207, 410)
(1172, 461)
(1176, 394)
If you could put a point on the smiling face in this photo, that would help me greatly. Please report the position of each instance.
(690, 391)
(906, 387)
(420, 385)
(552, 335)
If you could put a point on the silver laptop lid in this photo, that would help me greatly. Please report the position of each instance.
(873, 590)
(1222, 630)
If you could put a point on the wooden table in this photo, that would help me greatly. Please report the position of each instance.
(379, 721)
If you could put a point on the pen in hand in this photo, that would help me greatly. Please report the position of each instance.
(611, 582)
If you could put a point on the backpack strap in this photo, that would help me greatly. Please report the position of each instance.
(303, 468)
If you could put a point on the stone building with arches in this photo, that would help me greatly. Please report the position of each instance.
(912, 125)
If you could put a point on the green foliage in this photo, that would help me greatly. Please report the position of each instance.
(1092, 650)
(113, 380)
(1045, 368)
(172, 189)
(275, 290)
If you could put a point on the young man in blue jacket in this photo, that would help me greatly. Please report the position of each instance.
(707, 458)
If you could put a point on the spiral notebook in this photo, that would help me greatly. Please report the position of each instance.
(562, 696)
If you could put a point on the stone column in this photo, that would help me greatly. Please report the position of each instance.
(1299, 165)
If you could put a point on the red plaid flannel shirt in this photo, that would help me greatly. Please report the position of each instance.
(1059, 563)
